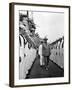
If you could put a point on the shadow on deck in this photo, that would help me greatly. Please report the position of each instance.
(37, 71)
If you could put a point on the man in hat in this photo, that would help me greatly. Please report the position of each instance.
(46, 52)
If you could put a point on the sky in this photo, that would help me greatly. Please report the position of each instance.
(50, 24)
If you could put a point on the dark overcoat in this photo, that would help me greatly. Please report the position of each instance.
(45, 49)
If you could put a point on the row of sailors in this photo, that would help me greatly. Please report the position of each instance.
(59, 44)
(57, 54)
(27, 57)
(27, 51)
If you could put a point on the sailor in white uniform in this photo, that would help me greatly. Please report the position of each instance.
(40, 53)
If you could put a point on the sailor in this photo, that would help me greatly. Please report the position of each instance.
(40, 54)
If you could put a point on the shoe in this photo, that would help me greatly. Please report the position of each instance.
(46, 68)
(40, 65)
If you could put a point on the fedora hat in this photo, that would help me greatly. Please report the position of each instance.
(45, 39)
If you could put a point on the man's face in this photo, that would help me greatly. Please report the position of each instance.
(45, 41)
(33, 30)
(41, 42)
(25, 21)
